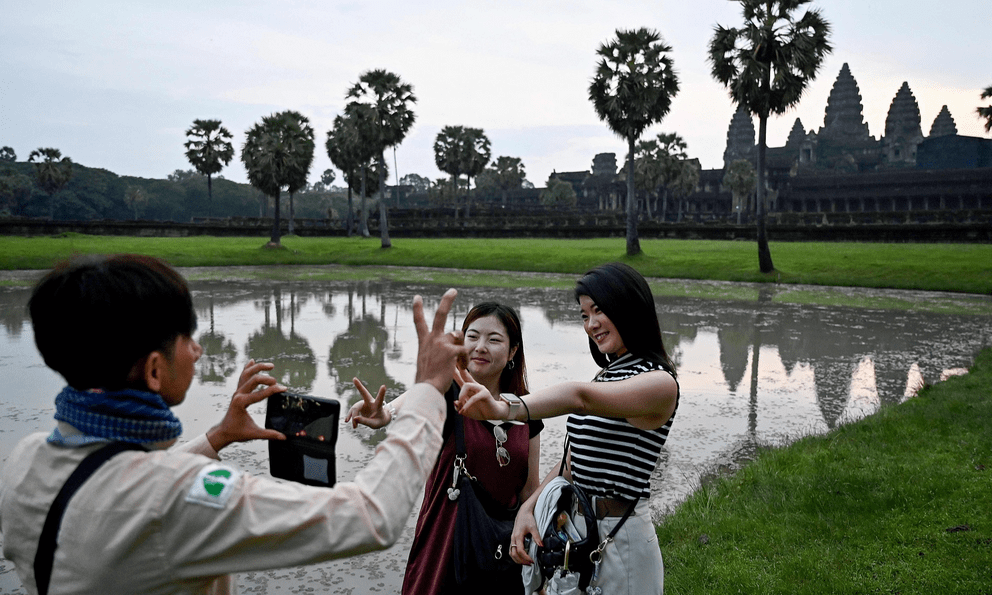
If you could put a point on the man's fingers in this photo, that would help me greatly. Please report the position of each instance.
(272, 435)
(441, 316)
(256, 396)
(418, 317)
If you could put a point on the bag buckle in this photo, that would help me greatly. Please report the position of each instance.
(459, 469)
(596, 556)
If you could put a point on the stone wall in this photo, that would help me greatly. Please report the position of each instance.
(910, 226)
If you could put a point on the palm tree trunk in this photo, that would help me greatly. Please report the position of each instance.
(363, 223)
(291, 230)
(633, 244)
(764, 254)
(350, 218)
(468, 196)
(454, 193)
(383, 224)
(275, 224)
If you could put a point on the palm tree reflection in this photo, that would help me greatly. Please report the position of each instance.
(295, 363)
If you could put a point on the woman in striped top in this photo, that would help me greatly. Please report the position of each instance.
(617, 425)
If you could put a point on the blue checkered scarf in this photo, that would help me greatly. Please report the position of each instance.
(127, 415)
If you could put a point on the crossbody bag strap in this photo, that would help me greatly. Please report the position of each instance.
(564, 458)
(609, 538)
(45, 556)
(459, 435)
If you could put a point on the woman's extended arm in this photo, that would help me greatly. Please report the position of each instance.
(647, 400)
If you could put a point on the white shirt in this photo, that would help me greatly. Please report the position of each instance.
(180, 522)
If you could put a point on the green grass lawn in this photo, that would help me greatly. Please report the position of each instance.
(899, 502)
(946, 267)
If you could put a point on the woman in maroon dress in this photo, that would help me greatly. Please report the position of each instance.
(503, 456)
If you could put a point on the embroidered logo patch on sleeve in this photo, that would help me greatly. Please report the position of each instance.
(213, 486)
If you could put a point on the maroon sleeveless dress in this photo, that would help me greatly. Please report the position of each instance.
(430, 570)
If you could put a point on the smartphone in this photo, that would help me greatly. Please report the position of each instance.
(310, 425)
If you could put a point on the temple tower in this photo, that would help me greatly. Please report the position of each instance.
(844, 119)
(605, 164)
(740, 137)
(943, 124)
(902, 129)
(796, 135)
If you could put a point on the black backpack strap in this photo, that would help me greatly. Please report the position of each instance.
(45, 556)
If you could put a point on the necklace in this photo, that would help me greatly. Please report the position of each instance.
(502, 455)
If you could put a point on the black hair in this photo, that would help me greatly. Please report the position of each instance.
(623, 295)
(96, 317)
(512, 379)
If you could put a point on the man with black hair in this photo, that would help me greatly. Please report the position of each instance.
(154, 519)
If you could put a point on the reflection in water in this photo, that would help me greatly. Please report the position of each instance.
(219, 359)
(297, 366)
(360, 351)
(752, 373)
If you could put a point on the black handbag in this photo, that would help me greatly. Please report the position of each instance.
(564, 552)
(482, 526)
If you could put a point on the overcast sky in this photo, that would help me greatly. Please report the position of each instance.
(115, 84)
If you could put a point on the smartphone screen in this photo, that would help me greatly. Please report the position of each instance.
(303, 417)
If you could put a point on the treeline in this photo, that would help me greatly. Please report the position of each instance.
(94, 194)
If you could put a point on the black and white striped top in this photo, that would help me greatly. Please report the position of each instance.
(610, 457)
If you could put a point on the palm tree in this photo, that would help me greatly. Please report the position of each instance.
(366, 183)
(986, 112)
(274, 152)
(510, 174)
(449, 151)
(672, 156)
(302, 170)
(390, 99)
(558, 194)
(209, 149)
(740, 178)
(327, 178)
(766, 65)
(53, 172)
(684, 182)
(8, 155)
(345, 152)
(362, 118)
(632, 89)
(657, 163)
(477, 155)
(135, 196)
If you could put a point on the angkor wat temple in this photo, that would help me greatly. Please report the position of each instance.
(839, 168)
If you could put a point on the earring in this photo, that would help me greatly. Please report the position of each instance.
(511, 365)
